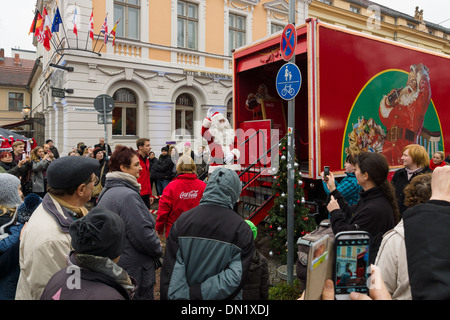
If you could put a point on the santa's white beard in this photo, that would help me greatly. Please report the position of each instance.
(223, 137)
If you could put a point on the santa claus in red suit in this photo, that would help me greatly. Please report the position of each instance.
(403, 110)
(222, 141)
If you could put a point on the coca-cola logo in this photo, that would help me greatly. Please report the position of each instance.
(189, 195)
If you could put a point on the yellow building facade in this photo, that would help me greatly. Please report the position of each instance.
(172, 59)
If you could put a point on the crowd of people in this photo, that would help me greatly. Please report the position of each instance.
(405, 216)
(87, 213)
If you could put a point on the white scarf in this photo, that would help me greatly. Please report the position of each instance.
(124, 176)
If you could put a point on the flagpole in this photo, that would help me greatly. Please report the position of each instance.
(108, 36)
(59, 41)
(98, 36)
(103, 44)
(87, 40)
(64, 29)
(95, 42)
(75, 23)
(52, 42)
(57, 32)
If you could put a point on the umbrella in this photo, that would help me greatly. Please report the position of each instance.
(7, 137)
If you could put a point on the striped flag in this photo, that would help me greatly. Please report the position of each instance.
(75, 29)
(46, 33)
(113, 32)
(91, 26)
(104, 29)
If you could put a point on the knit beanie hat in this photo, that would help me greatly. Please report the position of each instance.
(100, 233)
(97, 150)
(253, 227)
(9, 191)
(30, 203)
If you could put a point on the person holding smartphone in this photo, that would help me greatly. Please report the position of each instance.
(376, 211)
(348, 186)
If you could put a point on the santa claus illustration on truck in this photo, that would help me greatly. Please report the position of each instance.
(401, 115)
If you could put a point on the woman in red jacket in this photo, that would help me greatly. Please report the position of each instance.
(181, 194)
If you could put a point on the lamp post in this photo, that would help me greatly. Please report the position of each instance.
(26, 113)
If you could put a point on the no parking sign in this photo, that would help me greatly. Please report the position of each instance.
(288, 42)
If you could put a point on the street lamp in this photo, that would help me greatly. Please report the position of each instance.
(26, 112)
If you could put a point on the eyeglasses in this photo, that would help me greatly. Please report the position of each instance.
(96, 180)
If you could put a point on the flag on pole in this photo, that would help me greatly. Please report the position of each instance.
(56, 21)
(75, 29)
(91, 26)
(38, 31)
(33, 25)
(46, 34)
(47, 22)
(113, 32)
(104, 29)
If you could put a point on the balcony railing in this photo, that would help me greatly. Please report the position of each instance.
(184, 57)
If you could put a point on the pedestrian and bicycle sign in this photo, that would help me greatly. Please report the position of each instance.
(288, 42)
(288, 81)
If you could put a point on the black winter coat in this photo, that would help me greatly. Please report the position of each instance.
(163, 168)
(372, 213)
(426, 240)
(92, 286)
(400, 181)
(256, 286)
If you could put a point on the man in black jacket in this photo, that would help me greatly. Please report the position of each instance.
(427, 239)
(52, 148)
(163, 170)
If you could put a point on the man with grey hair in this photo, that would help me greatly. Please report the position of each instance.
(105, 147)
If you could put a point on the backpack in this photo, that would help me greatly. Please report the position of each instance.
(304, 243)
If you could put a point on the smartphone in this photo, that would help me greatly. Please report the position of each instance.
(326, 173)
(351, 269)
(320, 267)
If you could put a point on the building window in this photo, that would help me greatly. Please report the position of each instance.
(124, 113)
(275, 27)
(15, 101)
(236, 31)
(354, 9)
(187, 28)
(128, 13)
(330, 2)
(410, 25)
(184, 115)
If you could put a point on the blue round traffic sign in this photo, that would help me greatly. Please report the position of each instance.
(288, 81)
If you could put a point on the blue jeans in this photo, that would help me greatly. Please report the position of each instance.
(160, 185)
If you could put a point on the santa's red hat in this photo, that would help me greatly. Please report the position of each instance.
(217, 116)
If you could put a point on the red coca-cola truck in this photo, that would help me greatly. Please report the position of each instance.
(359, 93)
